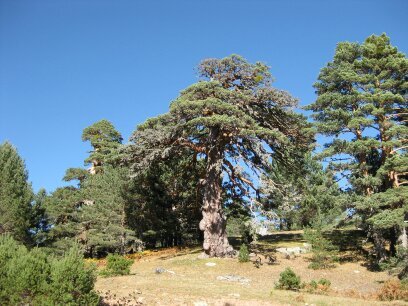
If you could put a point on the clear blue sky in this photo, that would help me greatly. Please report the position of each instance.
(67, 64)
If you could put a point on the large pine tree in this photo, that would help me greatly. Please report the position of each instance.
(16, 196)
(232, 117)
(362, 106)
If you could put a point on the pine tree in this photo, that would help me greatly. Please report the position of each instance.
(305, 197)
(16, 195)
(103, 214)
(94, 214)
(105, 141)
(63, 211)
(233, 115)
(164, 201)
(361, 105)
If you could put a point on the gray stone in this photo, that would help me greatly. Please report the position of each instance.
(160, 270)
(234, 278)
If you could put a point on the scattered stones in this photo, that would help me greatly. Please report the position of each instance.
(234, 278)
(210, 264)
(291, 253)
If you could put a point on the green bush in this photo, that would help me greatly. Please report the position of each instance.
(71, 278)
(323, 251)
(288, 280)
(243, 255)
(32, 277)
(117, 265)
(324, 282)
(397, 265)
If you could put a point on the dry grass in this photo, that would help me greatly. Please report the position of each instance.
(193, 281)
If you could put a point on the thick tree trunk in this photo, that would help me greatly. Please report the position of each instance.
(379, 245)
(403, 238)
(213, 223)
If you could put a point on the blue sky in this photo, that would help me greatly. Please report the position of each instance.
(67, 64)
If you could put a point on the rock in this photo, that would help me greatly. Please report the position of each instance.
(200, 303)
(356, 271)
(234, 278)
(160, 270)
(290, 253)
(252, 254)
(210, 264)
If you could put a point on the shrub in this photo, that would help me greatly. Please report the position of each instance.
(397, 265)
(117, 265)
(72, 281)
(33, 278)
(323, 251)
(243, 255)
(393, 290)
(322, 285)
(288, 280)
(324, 282)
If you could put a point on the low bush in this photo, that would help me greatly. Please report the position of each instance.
(243, 255)
(397, 265)
(288, 280)
(117, 265)
(320, 286)
(393, 290)
(33, 278)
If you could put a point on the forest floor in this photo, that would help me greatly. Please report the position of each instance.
(186, 279)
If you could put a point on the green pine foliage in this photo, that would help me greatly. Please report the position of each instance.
(233, 115)
(16, 196)
(288, 280)
(34, 278)
(63, 212)
(103, 214)
(243, 255)
(165, 200)
(117, 265)
(105, 141)
(361, 106)
(303, 196)
(323, 251)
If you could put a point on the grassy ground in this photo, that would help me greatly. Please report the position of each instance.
(189, 281)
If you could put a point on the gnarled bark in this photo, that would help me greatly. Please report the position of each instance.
(213, 223)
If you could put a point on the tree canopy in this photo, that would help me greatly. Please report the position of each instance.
(233, 115)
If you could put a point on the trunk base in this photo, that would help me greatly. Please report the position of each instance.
(215, 238)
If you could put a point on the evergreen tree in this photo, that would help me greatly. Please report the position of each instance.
(361, 105)
(165, 200)
(16, 195)
(105, 141)
(64, 215)
(94, 214)
(305, 197)
(103, 214)
(233, 115)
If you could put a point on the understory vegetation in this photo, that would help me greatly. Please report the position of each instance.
(231, 160)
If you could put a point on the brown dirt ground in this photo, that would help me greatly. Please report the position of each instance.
(193, 282)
